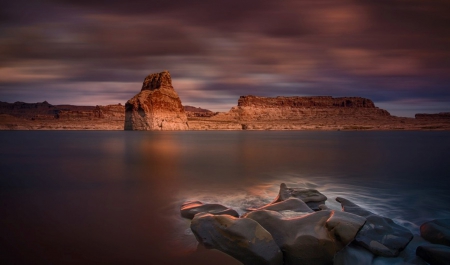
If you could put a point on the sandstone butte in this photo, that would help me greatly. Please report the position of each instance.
(158, 107)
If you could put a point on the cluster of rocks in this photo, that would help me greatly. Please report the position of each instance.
(297, 228)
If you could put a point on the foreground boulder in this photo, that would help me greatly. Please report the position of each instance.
(191, 208)
(436, 231)
(243, 239)
(380, 235)
(311, 197)
(434, 254)
(310, 239)
(156, 107)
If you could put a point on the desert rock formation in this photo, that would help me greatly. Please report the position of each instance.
(156, 107)
(45, 116)
(311, 113)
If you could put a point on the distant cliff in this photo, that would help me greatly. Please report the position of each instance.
(158, 107)
(435, 116)
(253, 108)
(45, 116)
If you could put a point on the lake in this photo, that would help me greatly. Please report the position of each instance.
(94, 197)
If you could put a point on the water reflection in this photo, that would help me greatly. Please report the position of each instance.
(114, 197)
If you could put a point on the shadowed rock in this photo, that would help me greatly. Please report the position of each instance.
(436, 231)
(380, 235)
(243, 239)
(356, 254)
(156, 107)
(191, 208)
(311, 197)
(434, 254)
(310, 239)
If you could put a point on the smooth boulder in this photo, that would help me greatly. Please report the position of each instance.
(242, 238)
(434, 254)
(380, 235)
(310, 239)
(191, 208)
(436, 231)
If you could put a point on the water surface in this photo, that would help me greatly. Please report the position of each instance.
(90, 197)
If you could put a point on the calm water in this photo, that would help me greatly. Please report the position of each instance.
(113, 197)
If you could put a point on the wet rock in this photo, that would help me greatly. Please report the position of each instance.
(291, 204)
(380, 235)
(191, 208)
(156, 107)
(356, 254)
(311, 197)
(244, 239)
(436, 231)
(310, 239)
(434, 254)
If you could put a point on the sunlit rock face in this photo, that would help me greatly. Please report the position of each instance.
(156, 107)
(253, 108)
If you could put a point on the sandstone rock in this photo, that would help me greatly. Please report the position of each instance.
(191, 208)
(311, 197)
(380, 235)
(156, 107)
(310, 239)
(253, 108)
(435, 255)
(436, 231)
(291, 204)
(243, 239)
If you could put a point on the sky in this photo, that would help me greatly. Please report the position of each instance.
(98, 52)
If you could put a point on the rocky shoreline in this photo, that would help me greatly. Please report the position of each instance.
(298, 228)
(158, 107)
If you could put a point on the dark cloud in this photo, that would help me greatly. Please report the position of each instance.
(67, 50)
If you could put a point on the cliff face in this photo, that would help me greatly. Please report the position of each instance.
(252, 108)
(321, 108)
(156, 107)
(298, 113)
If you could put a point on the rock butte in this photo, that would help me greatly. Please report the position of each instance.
(158, 107)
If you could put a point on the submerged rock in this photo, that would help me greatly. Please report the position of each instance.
(380, 235)
(310, 239)
(191, 208)
(434, 254)
(156, 107)
(436, 231)
(311, 197)
(244, 239)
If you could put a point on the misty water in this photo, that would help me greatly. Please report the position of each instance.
(90, 197)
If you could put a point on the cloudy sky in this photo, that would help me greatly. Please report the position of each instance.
(98, 52)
